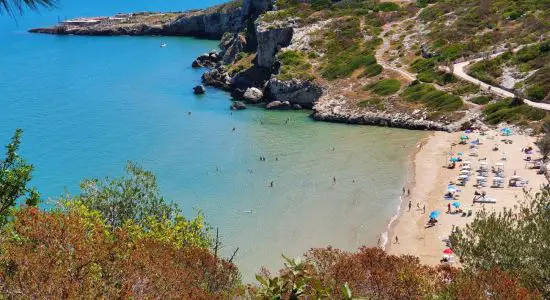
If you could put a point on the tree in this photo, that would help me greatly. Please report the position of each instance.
(516, 240)
(134, 197)
(15, 175)
(544, 142)
(72, 254)
(17, 6)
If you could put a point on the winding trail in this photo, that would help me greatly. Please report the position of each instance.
(458, 70)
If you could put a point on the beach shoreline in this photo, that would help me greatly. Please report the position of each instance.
(407, 185)
(427, 179)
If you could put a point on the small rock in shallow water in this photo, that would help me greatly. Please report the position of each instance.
(199, 89)
(237, 105)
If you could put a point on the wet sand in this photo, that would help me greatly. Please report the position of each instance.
(428, 183)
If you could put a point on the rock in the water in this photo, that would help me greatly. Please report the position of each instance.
(278, 105)
(196, 64)
(237, 105)
(304, 93)
(296, 106)
(199, 89)
(253, 94)
(218, 78)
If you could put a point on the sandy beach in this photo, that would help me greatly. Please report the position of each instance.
(429, 179)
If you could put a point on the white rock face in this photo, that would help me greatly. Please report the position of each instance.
(253, 94)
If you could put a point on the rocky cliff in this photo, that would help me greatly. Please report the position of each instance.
(207, 23)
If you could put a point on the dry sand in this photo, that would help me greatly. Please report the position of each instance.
(429, 183)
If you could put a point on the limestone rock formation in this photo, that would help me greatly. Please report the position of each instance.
(237, 105)
(253, 94)
(304, 93)
(271, 38)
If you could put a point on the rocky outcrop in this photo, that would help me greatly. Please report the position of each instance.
(278, 105)
(217, 78)
(303, 93)
(334, 110)
(237, 105)
(199, 89)
(254, 8)
(271, 38)
(211, 23)
(209, 60)
(231, 47)
(253, 95)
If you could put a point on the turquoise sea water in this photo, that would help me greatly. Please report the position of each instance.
(89, 104)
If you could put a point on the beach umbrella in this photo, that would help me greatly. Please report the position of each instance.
(451, 189)
(456, 204)
(448, 251)
(434, 214)
(464, 137)
(460, 153)
(454, 159)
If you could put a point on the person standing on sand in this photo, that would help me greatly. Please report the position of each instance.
(333, 179)
(424, 209)
(408, 192)
(271, 184)
(448, 207)
(403, 191)
(396, 240)
(410, 204)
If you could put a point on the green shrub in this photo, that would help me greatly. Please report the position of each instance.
(481, 100)
(387, 6)
(385, 87)
(320, 4)
(513, 111)
(294, 64)
(536, 92)
(373, 70)
(538, 84)
(431, 97)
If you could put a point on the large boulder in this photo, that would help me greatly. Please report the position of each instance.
(304, 93)
(253, 94)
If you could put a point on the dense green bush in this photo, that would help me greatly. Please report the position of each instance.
(432, 98)
(294, 64)
(481, 100)
(320, 4)
(373, 70)
(513, 111)
(387, 6)
(385, 87)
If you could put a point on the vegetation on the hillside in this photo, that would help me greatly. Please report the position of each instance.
(513, 240)
(95, 246)
(294, 64)
(531, 58)
(513, 111)
(345, 49)
(481, 100)
(426, 69)
(385, 87)
(431, 97)
(370, 273)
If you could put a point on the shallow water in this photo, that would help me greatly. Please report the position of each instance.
(89, 104)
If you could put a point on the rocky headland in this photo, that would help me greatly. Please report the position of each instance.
(290, 56)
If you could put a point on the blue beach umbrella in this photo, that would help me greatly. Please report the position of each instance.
(456, 204)
(454, 159)
(460, 153)
(434, 214)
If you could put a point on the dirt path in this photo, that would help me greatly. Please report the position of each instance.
(458, 70)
